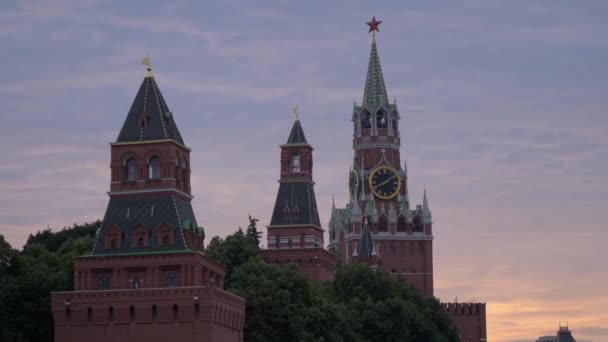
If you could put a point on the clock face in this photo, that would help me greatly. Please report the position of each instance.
(353, 184)
(384, 182)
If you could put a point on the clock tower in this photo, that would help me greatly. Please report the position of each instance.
(378, 224)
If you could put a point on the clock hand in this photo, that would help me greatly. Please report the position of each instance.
(386, 181)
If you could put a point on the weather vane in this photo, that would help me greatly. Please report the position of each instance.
(146, 61)
(373, 26)
(296, 112)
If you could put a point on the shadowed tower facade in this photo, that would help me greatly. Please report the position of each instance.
(294, 233)
(147, 277)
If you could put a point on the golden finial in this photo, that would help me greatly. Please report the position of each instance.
(296, 112)
(146, 61)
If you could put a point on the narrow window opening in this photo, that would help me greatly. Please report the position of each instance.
(197, 311)
(140, 241)
(154, 168)
(175, 312)
(380, 120)
(366, 121)
(111, 314)
(104, 282)
(289, 243)
(154, 313)
(131, 170)
(113, 243)
(418, 224)
(132, 313)
(294, 163)
(171, 279)
(89, 315)
(165, 239)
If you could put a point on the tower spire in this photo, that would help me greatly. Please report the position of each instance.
(375, 90)
(296, 136)
(425, 205)
(146, 61)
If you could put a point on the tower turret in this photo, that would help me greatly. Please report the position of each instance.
(149, 207)
(295, 233)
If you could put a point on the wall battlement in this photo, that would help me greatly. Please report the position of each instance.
(470, 318)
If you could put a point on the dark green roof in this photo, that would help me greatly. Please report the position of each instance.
(152, 213)
(294, 197)
(160, 121)
(366, 245)
(297, 134)
(564, 335)
(375, 91)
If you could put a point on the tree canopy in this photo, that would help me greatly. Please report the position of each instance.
(359, 305)
(28, 277)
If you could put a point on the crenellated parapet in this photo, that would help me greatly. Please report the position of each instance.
(469, 318)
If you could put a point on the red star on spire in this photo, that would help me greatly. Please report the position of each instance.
(373, 25)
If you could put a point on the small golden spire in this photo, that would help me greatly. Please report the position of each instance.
(146, 61)
(296, 112)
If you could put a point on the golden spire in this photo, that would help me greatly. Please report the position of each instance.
(146, 61)
(296, 112)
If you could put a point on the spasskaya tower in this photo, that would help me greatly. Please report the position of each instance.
(378, 226)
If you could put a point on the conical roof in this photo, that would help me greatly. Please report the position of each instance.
(564, 335)
(149, 117)
(366, 247)
(375, 90)
(296, 136)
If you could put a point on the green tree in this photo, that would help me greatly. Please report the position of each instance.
(232, 252)
(29, 277)
(276, 298)
(252, 231)
(380, 308)
(54, 240)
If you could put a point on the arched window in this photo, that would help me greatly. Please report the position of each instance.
(277, 241)
(175, 312)
(171, 279)
(366, 120)
(418, 224)
(140, 241)
(154, 168)
(113, 243)
(381, 120)
(294, 163)
(131, 170)
(383, 224)
(165, 239)
(104, 282)
(136, 283)
(401, 225)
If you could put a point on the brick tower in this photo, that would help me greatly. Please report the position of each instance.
(147, 278)
(378, 218)
(295, 234)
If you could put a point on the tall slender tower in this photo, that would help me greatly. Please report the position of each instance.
(147, 277)
(295, 234)
(379, 207)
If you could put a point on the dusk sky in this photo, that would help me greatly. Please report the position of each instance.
(504, 107)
